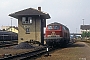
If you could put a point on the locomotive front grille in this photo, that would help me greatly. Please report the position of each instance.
(53, 35)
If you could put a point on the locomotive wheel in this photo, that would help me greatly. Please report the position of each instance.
(64, 43)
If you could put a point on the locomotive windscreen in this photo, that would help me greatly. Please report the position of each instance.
(54, 27)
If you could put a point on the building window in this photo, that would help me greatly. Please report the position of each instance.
(27, 30)
(23, 20)
(26, 20)
(30, 20)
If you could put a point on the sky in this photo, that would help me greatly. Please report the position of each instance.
(68, 12)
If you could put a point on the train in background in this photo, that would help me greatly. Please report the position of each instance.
(57, 34)
(8, 36)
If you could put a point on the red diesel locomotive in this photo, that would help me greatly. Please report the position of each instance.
(57, 34)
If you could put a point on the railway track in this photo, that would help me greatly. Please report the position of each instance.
(6, 45)
(28, 55)
(25, 55)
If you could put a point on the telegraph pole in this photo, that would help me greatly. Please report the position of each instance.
(83, 21)
(11, 28)
(76, 30)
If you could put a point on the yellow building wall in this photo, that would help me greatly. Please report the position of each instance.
(35, 31)
(13, 30)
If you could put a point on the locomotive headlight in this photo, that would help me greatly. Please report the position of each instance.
(53, 33)
(48, 35)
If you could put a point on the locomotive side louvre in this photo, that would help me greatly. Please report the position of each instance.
(65, 32)
(57, 34)
(66, 35)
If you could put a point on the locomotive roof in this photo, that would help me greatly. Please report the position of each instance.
(55, 23)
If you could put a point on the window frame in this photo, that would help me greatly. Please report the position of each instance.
(27, 30)
(23, 20)
(50, 27)
(56, 27)
(30, 20)
(27, 20)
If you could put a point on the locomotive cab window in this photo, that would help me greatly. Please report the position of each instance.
(64, 28)
(50, 27)
(56, 27)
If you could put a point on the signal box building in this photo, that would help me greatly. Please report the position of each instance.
(30, 24)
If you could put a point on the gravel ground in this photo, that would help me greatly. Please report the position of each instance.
(77, 51)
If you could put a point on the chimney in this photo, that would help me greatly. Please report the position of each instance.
(39, 8)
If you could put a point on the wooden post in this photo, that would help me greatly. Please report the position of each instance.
(42, 34)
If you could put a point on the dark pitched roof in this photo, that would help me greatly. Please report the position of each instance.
(29, 12)
(85, 27)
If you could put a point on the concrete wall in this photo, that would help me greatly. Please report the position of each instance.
(35, 31)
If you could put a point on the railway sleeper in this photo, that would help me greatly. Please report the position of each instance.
(24, 55)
